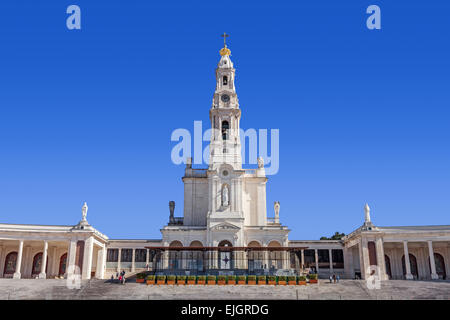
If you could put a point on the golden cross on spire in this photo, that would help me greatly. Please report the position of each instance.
(225, 36)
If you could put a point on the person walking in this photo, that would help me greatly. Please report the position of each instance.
(337, 278)
(331, 278)
(112, 278)
(334, 278)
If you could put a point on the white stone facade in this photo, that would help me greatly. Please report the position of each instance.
(224, 207)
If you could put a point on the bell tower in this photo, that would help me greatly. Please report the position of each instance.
(225, 146)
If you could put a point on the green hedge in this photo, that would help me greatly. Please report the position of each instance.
(261, 278)
(140, 275)
(301, 278)
(282, 278)
(241, 278)
(313, 276)
(190, 278)
(272, 278)
(171, 278)
(201, 278)
(211, 278)
(151, 277)
(181, 278)
(251, 278)
(161, 278)
(292, 278)
(221, 278)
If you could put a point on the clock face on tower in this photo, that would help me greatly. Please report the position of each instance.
(225, 98)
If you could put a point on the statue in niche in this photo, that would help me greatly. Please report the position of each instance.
(225, 196)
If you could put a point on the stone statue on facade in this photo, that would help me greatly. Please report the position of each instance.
(84, 211)
(260, 162)
(172, 210)
(225, 196)
(276, 207)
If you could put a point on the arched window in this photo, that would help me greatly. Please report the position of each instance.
(413, 263)
(37, 264)
(275, 256)
(194, 257)
(388, 266)
(225, 80)
(225, 129)
(440, 265)
(175, 256)
(255, 257)
(10, 263)
(62, 264)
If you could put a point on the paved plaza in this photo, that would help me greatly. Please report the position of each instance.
(101, 289)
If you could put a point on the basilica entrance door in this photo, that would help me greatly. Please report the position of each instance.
(225, 255)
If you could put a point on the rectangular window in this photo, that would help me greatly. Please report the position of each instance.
(112, 255)
(338, 258)
(140, 255)
(309, 256)
(324, 258)
(126, 255)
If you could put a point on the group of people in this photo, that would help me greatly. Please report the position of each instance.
(119, 276)
(334, 278)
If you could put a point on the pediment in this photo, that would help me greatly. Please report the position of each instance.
(225, 226)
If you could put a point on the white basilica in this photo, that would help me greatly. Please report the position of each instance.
(224, 229)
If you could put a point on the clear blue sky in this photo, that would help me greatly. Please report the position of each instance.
(86, 115)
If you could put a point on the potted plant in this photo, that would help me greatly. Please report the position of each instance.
(161, 280)
(282, 280)
(181, 280)
(191, 279)
(140, 277)
(231, 279)
(171, 279)
(302, 280)
(150, 279)
(211, 280)
(241, 279)
(201, 279)
(251, 279)
(261, 280)
(221, 280)
(272, 280)
(313, 278)
(292, 280)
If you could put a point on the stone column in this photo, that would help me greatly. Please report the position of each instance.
(330, 253)
(434, 275)
(265, 261)
(101, 261)
(19, 261)
(43, 273)
(408, 276)
(54, 263)
(71, 255)
(364, 258)
(133, 258)
(2, 262)
(26, 271)
(349, 268)
(316, 259)
(380, 259)
(302, 261)
(119, 257)
(87, 259)
(147, 259)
